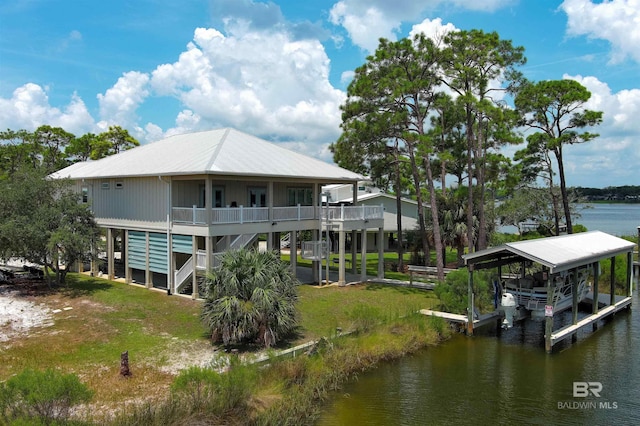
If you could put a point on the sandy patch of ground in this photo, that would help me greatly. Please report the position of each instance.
(18, 315)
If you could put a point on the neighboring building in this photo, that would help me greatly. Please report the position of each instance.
(169, 206)
(369, 195)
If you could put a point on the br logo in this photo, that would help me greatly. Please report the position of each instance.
(583, 389)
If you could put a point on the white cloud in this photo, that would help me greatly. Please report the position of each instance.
(366, 21)
(614, 153)
(263, 82)
(29, 107)
(433, 29)
(617, 21)
(119, 103)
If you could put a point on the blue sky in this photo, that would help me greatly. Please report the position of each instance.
(280, 69)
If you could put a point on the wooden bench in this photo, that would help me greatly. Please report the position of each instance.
(336, 261)
(429, 271)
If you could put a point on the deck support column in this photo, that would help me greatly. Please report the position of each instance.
(148, 275)
(194, 274)
(110, 254)
(341, 263)
(354, 251)
(548, 326)
(612, 299)
(127, 269)
(293, 250)
(470, 305)
(363, 255)
(381, 253)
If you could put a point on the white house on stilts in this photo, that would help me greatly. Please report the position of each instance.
(169, 207)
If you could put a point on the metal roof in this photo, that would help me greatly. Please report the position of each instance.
(558, 253)
(224, 152)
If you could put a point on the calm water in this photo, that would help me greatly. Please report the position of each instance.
(505, 377)
(614, 219)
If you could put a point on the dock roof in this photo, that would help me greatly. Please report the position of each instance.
(557, 253)
(224, 151)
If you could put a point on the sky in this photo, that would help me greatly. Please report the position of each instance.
(280, 69)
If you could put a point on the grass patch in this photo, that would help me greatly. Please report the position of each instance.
(323, 310)
(106, 319)
(164, 334)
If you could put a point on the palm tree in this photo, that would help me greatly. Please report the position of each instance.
(250, 295)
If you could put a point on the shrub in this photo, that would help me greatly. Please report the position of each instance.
(453, 293)
(206, 389)
(44, 395)
(364, 317)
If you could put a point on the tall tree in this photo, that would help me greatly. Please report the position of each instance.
(475, 65)
(50, 144)
(42, 221)
(555, 109)
(390, 99)
(119, 140)
(16, 152)
(535, 164)
(80, 149)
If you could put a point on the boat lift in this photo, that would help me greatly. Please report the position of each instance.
(559, 254)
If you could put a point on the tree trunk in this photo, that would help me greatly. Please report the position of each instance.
(421, 220)
(470, 240)
(399, 218)
(435, 220)
(563, 190)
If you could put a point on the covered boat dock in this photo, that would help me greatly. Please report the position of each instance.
(556, 255)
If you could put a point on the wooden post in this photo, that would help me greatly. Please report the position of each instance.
(548, 327)
(612, 300)
(629, 274)
(124, 364)
(574, 302)
(596, 277)
(470, 304)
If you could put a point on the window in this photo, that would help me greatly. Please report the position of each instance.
(257, 197)
(105, 185)
(119, 185)
(85, 195)
(302, 196)
(218, 196)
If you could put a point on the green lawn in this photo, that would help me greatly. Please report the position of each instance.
(162, 333)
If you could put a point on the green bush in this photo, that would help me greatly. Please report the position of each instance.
(42, 396)
(196, 386)
(206, 388)
(453, 293)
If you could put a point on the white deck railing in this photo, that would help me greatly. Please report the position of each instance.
(201, 216)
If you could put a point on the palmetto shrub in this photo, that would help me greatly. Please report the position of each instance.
(250, 296)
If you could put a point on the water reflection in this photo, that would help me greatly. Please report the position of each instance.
(503, 377)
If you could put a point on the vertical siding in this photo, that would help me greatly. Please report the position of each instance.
(143, 199)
